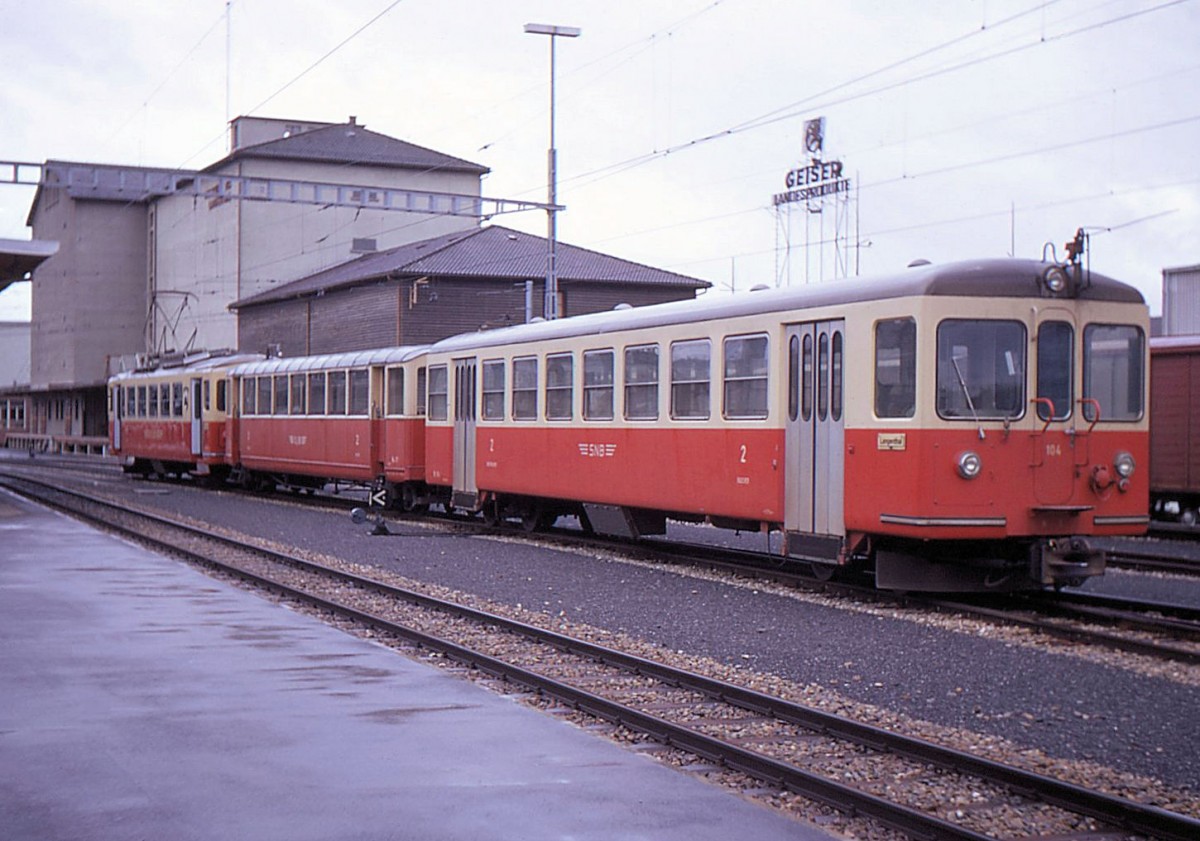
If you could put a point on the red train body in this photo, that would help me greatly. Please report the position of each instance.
(966, 426)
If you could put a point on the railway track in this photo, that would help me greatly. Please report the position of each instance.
(1165, 632)
(912, 786)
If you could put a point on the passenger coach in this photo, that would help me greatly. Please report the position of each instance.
(353, 417)
(169, 418)
(952, 427)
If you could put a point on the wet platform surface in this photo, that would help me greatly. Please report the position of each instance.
(141, 699)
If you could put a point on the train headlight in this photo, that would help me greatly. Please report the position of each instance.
(1056, 280)
(1124, 465)
(969, 465)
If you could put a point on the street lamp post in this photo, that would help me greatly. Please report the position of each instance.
(550, 307)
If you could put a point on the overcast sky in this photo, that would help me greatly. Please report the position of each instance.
(972, 128)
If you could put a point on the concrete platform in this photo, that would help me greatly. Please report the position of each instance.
(141, 699)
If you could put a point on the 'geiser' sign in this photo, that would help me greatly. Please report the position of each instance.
(818, 179)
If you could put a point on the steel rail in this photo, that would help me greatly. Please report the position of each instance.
(1118, 811)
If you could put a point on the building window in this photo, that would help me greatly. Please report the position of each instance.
(690, 377)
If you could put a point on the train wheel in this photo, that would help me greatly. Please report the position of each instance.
(533, 519)
(491, 513)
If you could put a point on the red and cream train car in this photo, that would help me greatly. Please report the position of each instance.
(354, 417)
(952, 427)
(170, 418)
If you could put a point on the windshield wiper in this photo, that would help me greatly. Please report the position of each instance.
(962, 383)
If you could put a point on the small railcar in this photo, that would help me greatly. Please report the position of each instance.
(355, 417)
(1175, 429)
(962, 426)
(169, 417)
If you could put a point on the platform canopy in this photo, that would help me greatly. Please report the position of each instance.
(19, 257)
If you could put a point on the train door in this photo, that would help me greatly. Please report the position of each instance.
(118, 412)
(465, 491)
(197, 417)
(813, 477)
(1059, 443)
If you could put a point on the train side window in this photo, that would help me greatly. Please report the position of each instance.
(264, 395)
(296, 383)
(177, 400)
(641, 382)
(1055, 369)
(222, 395)
(794, 378)
(249, 404)
(281, 394)
(896, 368)
(152, 401)
(598, 384)
(524, 388)
(691, 374)
(439, 393)
(337, 392)
(1113, 371)
(316, 393)
(836, 376)
(493, 389)
(807, 369)
(746, 368)
(164, 406)
(207, 395)
(130, 402)
(421, 378)
(360, 391)
(141, 397)
(560, 381)
(823, 376)
(395, 391)
(981, 369)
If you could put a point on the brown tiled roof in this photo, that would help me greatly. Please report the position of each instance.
(491, 252)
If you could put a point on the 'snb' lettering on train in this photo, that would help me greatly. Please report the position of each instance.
(597, 450)
(298, 440)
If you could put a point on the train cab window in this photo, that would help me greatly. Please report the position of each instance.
(395, 391)
(316, 394)
(837, 365)
(560, 380)
(439, 393)
(524, 388)
(337, 392)
(421, 378)
(1113, 371)
(896, 368)
(360, 391)
(222, 395)
(641, 382)
(264, 395)
(493, 389)
(177, 400)
(280, 388)
(296, 388)
(746, 377)
(1055, 370)
(981, 369)
(598, 384)
(691, 366)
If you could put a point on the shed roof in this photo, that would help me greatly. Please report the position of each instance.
(491, 252)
